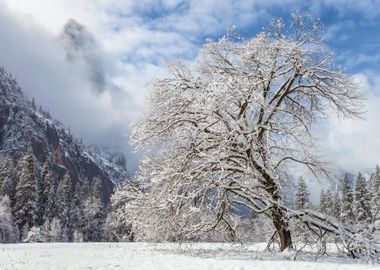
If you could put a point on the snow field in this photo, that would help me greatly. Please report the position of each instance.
(143, 256)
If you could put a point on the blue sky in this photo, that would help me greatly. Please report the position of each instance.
(134, 38)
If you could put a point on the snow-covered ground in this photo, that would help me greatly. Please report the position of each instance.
(142, 256)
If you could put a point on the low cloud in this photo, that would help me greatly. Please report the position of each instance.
(353, 145)
(94, 71)
(66, 88)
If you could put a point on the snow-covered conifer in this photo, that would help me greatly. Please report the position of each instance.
(95, 212)
(360, 200)
(374, 195)
(35, 235)
(77, 236)
(7, 230)
(336, 206)
(302, 195)
(47, 183)
(63, 202)
(50, 197)
(346, 212)
(8, 180)
(26, 205)
(77, 213)
(322, 201)
(55, 232)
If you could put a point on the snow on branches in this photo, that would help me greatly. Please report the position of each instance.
(221, 136)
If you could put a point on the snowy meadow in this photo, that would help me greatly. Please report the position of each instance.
(233, 139)
(147, 256)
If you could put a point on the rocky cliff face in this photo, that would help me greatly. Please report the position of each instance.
(24, 126)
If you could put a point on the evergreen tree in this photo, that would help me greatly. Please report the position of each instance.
(7, 179)
(301, 202)
(50, 205)
(47, 179)
(95, 212)
(85, 189)
(302, 195)
(63, 202)
(361, 204)
(77, 214)
(7, 230)
(2, 171)
(326, 202)
(322, 201)
(329, 203)
(346, 213)
(40, 199)
(48, 193)
(53, 230)
(336, 206)
(374, 194)
(85, 199)
(26, 205)
(8, 188)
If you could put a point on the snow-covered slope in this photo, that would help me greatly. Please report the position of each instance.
(144, 256)
(24, 125)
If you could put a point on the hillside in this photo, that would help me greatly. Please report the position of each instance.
(23, 125)
(51, 178)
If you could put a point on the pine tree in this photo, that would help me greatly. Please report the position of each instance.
(7, 179)
(85, 189)
(47, 179)
(48, 194)
(326, 202)
(50, 205)
(7, 230)
(8, 187)
(85, 199)
(374, 194)
(95, 212)
(322, 201)
(2, 171)
(336, 206)
(26, 205)
(361, 204)
(63, 202)
(40, 199)
(329, 203)
(77, 214)
(346, 213)
(302, 195)
(54, 231)
(301, 202)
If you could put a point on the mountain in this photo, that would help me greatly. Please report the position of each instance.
(24, 126)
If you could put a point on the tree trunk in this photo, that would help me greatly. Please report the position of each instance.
(282, 227)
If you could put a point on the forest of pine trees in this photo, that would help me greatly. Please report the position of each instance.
(357, 202)
(37, 206)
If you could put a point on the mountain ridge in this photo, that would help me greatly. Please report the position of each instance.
(23, 125)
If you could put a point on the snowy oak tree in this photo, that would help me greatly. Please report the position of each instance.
(224, 133)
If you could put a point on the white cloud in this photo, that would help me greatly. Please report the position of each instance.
(354, 145)
(135, 37)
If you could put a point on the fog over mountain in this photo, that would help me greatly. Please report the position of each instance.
(69, 76)
(80, 45)
(91, 63)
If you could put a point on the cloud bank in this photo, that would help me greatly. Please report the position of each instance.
(91, 62)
